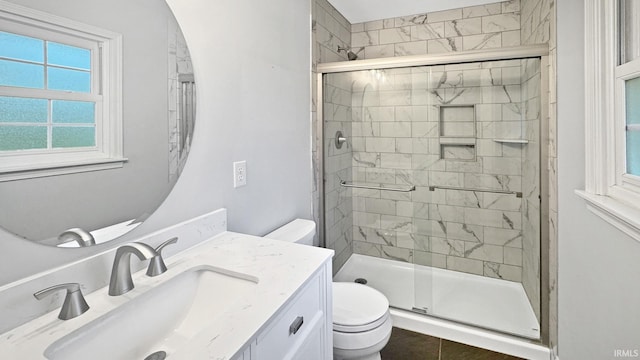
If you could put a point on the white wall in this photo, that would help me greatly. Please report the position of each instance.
(599, 267)
(252, 66)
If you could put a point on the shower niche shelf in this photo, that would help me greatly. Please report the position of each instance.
(457, 133)
(511, 141)
(457, 141)
(458, 152)
(458, 121)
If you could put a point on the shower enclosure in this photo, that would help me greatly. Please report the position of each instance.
(433, 189)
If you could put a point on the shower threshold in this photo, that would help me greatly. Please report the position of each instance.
(480, 301)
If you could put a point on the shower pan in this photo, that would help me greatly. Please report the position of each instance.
(438, 196)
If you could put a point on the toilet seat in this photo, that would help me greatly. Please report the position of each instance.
(358, 308)
(360, 328)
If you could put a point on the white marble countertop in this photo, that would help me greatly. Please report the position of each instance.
(281, 269)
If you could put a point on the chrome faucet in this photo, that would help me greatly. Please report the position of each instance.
(81, 236)
(156, 265)
(74, 303)
(121, 281)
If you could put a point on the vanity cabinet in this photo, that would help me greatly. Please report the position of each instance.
(301, 329)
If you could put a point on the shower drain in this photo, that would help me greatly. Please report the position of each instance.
(360, 281)
(158, 355)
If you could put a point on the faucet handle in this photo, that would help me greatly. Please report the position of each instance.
(74, 303)
(156, 264)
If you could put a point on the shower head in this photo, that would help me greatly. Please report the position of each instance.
(350, 54)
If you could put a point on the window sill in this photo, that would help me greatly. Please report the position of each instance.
(623, 216)
(62, 168)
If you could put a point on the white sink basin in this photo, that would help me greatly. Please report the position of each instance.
(161, 319)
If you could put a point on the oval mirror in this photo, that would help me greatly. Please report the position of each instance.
(97, 105)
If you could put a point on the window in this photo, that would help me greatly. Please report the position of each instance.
(44, 120)
(612, 64)
(60, 95)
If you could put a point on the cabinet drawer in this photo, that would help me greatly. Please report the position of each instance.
(281, 340)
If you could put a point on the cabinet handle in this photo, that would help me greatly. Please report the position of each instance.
(296, 325)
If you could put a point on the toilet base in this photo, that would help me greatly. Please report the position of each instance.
(353, 346)
(375, 356)
(370, 353)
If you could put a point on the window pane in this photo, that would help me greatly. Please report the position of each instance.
(23, 110)
(23, 137)
(630, 30)
(23, 75)
(632, 94)
(633, 152)
(70, 56)
(70, 80)
(73, 112)
(632, 104)
(67, 137)
(21, 47)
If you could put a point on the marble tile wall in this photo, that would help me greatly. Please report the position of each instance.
(539, 27)
(329, 29)
(338, 210)
(478, 27)
(400, 139)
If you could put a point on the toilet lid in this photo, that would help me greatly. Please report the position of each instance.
(356, 304)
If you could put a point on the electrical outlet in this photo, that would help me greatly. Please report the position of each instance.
(239, 173)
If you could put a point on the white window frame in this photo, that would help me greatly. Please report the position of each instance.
(610, 192)
(106, 93)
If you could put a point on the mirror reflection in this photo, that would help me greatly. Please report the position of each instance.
(97, 111)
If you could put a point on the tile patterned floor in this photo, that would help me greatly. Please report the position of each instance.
(408, 345)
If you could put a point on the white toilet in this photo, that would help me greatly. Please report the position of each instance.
(361, 320)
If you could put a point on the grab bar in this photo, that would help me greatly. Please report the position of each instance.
(345, 184)
(518, 194)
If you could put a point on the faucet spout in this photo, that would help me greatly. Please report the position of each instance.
(81, 236)
(121, 281)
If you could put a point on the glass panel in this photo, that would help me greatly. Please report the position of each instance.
(481, 236)
(23, 110)
(340, 219)
(21, 47)
(23, 137)
(630, 30)
(632, 104)
(465, 245)
(70, 80)
(633, 152)
(68, 137)
(69, 56)
(20, 74)
(73, 112)
(427, 128)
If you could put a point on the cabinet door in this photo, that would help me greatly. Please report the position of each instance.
(312, 347)
(292, 327)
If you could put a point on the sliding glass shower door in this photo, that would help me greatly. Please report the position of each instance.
(478, 194)
(432, 188)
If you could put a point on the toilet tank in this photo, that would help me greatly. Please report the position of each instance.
(299, 231)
